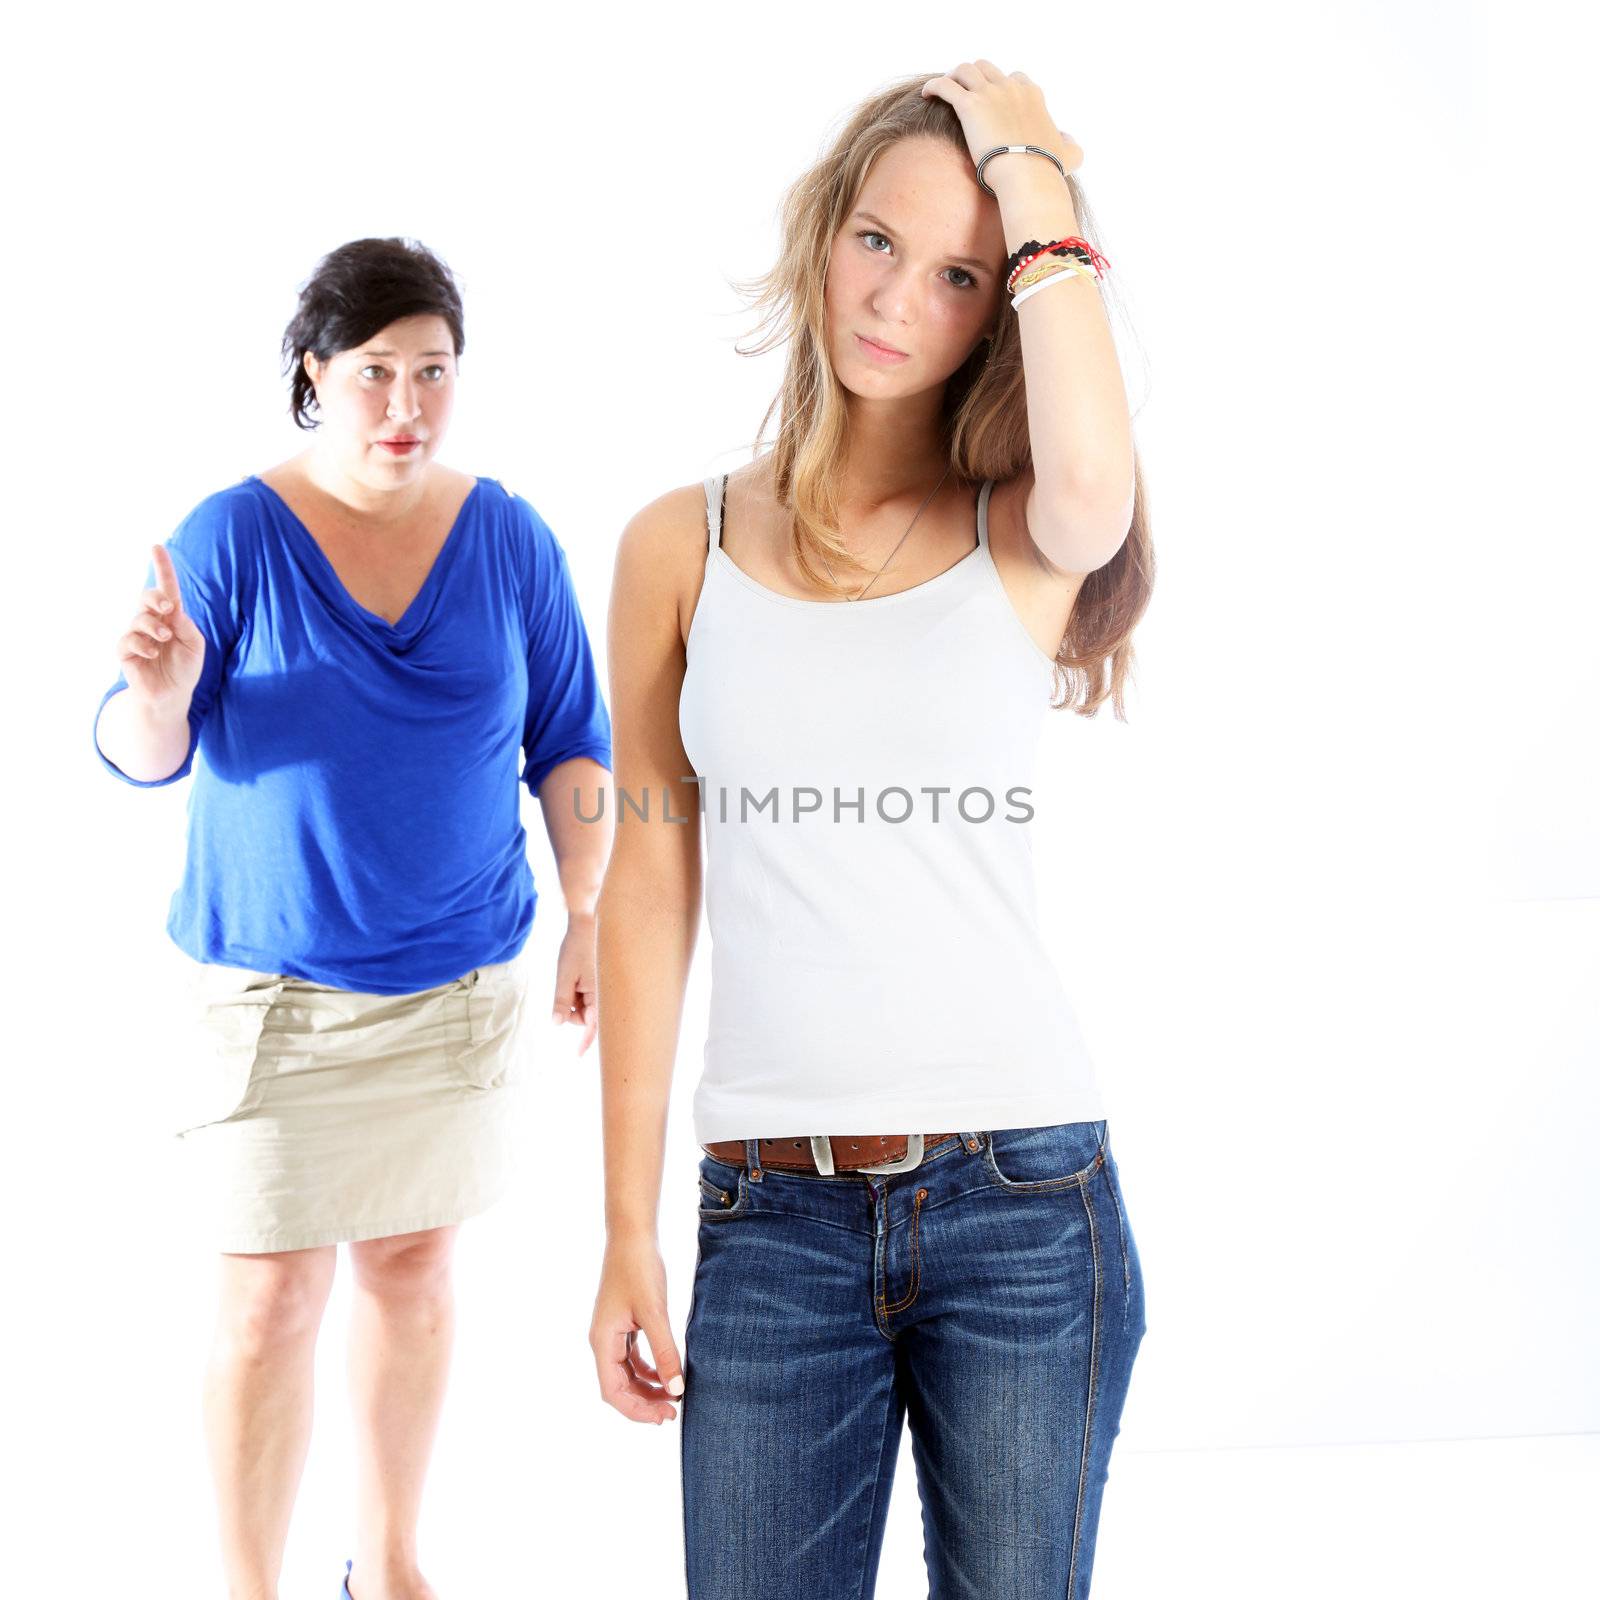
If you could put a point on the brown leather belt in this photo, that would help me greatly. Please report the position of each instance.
(850, 1151)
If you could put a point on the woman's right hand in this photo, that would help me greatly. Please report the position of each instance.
(162, 652)
(633, 1298)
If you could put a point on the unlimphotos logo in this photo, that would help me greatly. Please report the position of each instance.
(803, 803)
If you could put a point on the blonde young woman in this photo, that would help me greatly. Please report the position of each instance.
(359, 653)
(837, 660)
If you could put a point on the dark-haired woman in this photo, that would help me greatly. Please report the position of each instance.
(350, 650)
(908, 1203)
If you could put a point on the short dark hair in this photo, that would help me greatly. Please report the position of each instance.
(356, 290)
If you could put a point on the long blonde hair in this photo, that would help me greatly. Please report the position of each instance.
(984, 421)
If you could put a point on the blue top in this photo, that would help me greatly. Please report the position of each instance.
(355, 815)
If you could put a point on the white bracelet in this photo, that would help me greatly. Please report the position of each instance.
(1063, 272)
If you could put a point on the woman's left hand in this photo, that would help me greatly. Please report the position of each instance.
(577, 986)
(1001, 108)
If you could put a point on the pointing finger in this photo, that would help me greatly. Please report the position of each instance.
(166, 576)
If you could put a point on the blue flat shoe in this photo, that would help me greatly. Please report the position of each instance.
(344, 1582)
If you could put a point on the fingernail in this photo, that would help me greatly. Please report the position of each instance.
(675, 1383)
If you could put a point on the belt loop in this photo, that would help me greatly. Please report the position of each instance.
(971, 1143)
(752, 1159)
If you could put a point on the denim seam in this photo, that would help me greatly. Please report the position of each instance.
(954, 1199)
(749, 1209)
(1122, 1238)
(916, 1258)
(683, 1520)
(1088, 1409)
(880, 1263)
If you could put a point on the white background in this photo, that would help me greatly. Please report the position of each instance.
(1327, 902)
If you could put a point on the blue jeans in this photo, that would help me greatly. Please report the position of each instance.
(992, 1295)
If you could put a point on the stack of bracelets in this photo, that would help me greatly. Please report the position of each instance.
(1029, 268)
(1032, 265)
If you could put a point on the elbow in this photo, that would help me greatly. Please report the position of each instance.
(1082, 529)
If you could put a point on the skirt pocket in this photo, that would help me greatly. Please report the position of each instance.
(217, 1073)
(486, 1053)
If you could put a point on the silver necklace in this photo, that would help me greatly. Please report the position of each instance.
(900, 541)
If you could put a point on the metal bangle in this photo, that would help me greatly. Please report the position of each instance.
(1013, 150)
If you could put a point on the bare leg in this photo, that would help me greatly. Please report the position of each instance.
(258, 1404)
(402, 1329)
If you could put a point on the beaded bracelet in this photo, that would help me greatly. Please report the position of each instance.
(1039, 266)
(1072, 250)
(1039, 274)
(1050, 277)
(1031, 250)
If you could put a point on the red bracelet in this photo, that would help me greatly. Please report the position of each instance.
(1060, 247)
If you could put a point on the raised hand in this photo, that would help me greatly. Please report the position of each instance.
(999, 108)
(162, 652)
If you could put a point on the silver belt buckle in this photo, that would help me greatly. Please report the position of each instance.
(822, 1154)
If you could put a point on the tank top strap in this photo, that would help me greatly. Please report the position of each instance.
(714, 487)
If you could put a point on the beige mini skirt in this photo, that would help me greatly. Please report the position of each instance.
(313, 1115)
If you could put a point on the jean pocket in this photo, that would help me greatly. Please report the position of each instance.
(724, 1191)
(1058, 1155)
(488, 1007)
(218, 1077)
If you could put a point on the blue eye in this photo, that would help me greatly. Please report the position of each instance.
(871, 233)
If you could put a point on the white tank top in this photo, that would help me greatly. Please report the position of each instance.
(871, 974)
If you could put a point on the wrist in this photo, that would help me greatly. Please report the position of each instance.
(160, 711)
(631, 1233)
(1026, 176)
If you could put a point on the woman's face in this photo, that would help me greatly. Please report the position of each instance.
(397, 385)
(915, 267)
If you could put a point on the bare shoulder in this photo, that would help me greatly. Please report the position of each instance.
(285, 475)
(659, 568)
(661, 560)
(666, 536)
